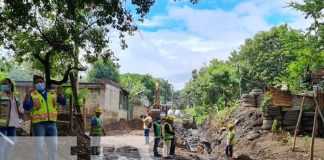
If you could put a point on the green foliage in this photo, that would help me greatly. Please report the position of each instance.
(274, 127)
(306, 143)
(223, 114)
(104, 69)
(143, 86)
(199, 113)
(51, 34)
(266, 102)
(81, 96)
(267, 55)
(2, 76)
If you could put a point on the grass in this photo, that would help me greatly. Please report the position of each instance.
(222, 115)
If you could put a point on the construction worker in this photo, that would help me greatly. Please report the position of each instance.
(42, 103)
(173, 140)
(230, 140)
(157, 136)
(9, 118)
(168, 134)
(147, 125)
(96, 131)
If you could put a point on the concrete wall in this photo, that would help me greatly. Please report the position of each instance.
(138, 110)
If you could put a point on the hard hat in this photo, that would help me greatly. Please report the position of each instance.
(230, 125)
(171, 118)
(98, 110)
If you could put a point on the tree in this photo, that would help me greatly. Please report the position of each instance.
(138, 85)
(265, 57)
(313, 9)
(102, 69)
(312, 54)
(51, 34)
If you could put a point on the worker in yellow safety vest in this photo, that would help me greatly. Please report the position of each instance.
(168, 135)
(96, 132)
(230, 140)
(41, 102)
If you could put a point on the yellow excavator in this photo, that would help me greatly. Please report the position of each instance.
(156, 110)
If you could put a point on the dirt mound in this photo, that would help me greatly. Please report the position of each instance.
(134, 124)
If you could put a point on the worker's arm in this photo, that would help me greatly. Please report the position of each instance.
(28, 101)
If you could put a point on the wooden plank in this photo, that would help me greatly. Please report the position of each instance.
(298, 123)
(314, 130)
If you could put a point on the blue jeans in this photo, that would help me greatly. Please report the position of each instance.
(5, 147)
(146, 135)
(45, 131)
(156, 145)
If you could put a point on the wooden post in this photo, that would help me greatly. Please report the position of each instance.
(298, 122)
(314, 127)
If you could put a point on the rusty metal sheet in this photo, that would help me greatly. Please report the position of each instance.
(282, 99)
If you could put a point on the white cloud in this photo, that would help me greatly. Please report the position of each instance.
(172, 53)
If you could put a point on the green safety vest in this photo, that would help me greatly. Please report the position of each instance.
(231, 137)
(5, 108)
(43, 110)
(167, 136)
(97, 129)
(157, 132)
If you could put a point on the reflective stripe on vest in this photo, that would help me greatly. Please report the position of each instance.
(167, 136)
(97, 128)
(43, 110)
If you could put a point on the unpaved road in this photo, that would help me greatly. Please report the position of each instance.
(130, 145)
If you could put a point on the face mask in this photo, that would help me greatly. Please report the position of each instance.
(5, 88)
(40, 86)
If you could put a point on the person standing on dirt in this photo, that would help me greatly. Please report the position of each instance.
(42, 104)
(157, 136)
(147, 125)
(230, 140)
(173, 140)
(168, 134)
(9, 118)
(96, 132)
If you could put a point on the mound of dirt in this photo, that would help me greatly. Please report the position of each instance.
(134, 124)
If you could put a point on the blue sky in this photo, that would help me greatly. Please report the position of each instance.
(177, 37)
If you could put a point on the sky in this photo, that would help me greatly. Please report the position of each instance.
(177, 37)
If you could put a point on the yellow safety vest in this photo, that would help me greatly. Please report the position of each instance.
(231, 137)
(43, 110)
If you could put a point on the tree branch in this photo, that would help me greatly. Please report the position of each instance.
(38, 57)
(66, 76)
